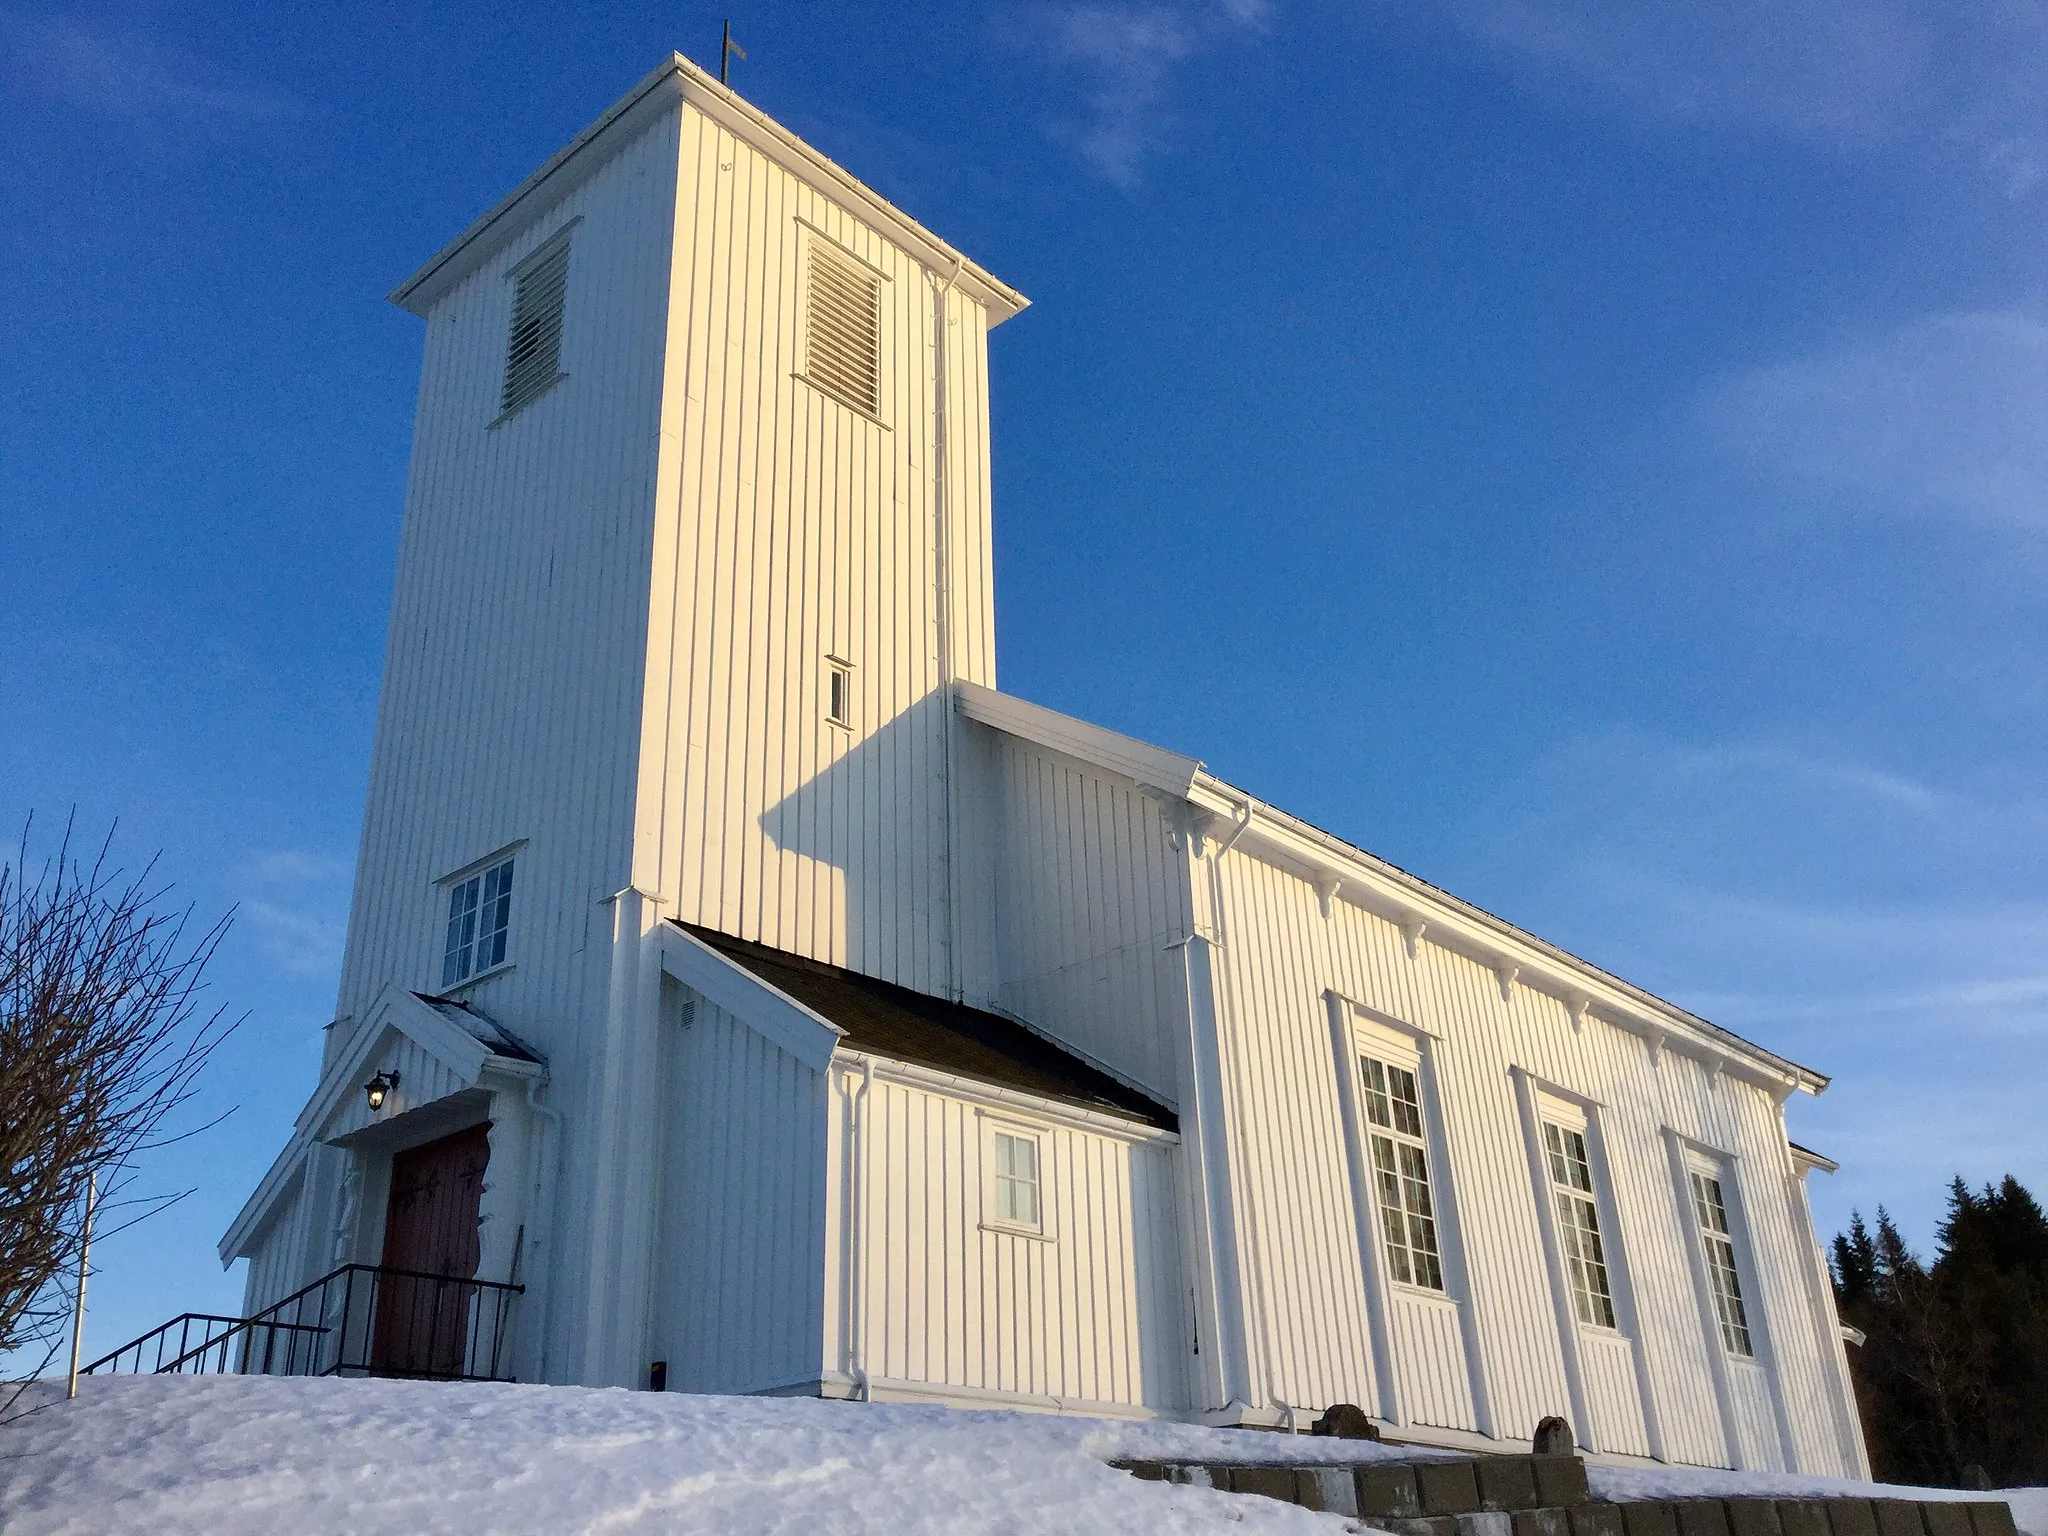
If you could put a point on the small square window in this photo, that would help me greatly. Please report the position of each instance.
(479, 922)
(838, 692)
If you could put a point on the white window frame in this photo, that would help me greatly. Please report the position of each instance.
(1722, 1253)
(839, 674)
(1566, 1124)
(1040, 1138)
(1394, 1142)
(448, 890)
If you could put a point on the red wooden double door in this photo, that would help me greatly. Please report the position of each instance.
(430, 1230)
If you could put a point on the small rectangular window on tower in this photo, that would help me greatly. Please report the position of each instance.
(843, 327)
(533, 351)
(839, 692)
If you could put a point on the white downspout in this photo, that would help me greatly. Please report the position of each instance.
(942, 556)
(1245, 813)
(542, 1214)
(856, 1223)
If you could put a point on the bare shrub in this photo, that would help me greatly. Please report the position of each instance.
(101, 1039)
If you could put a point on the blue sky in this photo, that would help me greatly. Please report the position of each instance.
(1590, 453)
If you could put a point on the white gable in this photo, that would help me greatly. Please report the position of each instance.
(433, 1058)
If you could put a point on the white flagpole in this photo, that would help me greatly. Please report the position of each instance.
(92, 1190)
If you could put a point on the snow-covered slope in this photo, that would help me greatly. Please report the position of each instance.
(256, 1456)
(250, 1456)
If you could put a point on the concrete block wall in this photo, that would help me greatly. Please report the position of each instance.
(1548, 1496)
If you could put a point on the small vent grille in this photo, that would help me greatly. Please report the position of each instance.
(843, 337)
(533, 357)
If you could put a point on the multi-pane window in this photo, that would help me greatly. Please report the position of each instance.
(1719, 1244)
(1578, 1223)
(479, 917)
(1400, 1166)
(1017, 1179)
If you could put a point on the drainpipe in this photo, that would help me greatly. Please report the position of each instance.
(857, 1300)
(1250, 1289)
(942, 557)
(543, 1212)
(1245, 813)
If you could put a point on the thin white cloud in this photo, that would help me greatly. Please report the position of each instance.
(1850, 72)
(1770, 759)
(1122, 60)
(300, 943)
(293, 866)
(73, 62)
(1947, 415)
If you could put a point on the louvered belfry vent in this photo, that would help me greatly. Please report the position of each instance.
(533, 357)
(843, 333)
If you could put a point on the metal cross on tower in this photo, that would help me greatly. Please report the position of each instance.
(726, 52)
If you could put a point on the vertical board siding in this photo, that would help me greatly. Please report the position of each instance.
(422, 1078)
(739, 1288)
(1609, 1363)
(275, 1258)
(1289, 1161)
(1289, 1164)
(1755, 1417)
(1090, 1313)
(1087, 892)
(1429, 1354)
(512, 685)
(801, 528)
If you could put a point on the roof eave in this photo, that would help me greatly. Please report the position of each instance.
(679, 80)
(1611, 989)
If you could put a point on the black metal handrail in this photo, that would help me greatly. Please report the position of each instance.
(361, 1320)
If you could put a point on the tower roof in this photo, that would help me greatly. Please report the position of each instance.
(680, 80)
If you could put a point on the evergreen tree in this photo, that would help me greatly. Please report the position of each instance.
(1855, 1263)
(1953, 1372)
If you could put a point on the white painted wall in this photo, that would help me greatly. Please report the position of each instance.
(740, 1278)
(514, 670)
(929, 1299)
(277, 1254)
(1083, 891)
(789, 528)
(1652, 1383)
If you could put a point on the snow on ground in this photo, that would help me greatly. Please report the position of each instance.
(250, 1456)
(253, 1456)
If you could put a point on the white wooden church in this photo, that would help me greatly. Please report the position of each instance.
(785, 1009)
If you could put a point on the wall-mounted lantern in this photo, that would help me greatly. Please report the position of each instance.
(378, 1086)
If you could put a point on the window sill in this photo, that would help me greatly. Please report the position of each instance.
(546, 390)
(1010, 1229)
(1421, 1292)
(500, 969)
